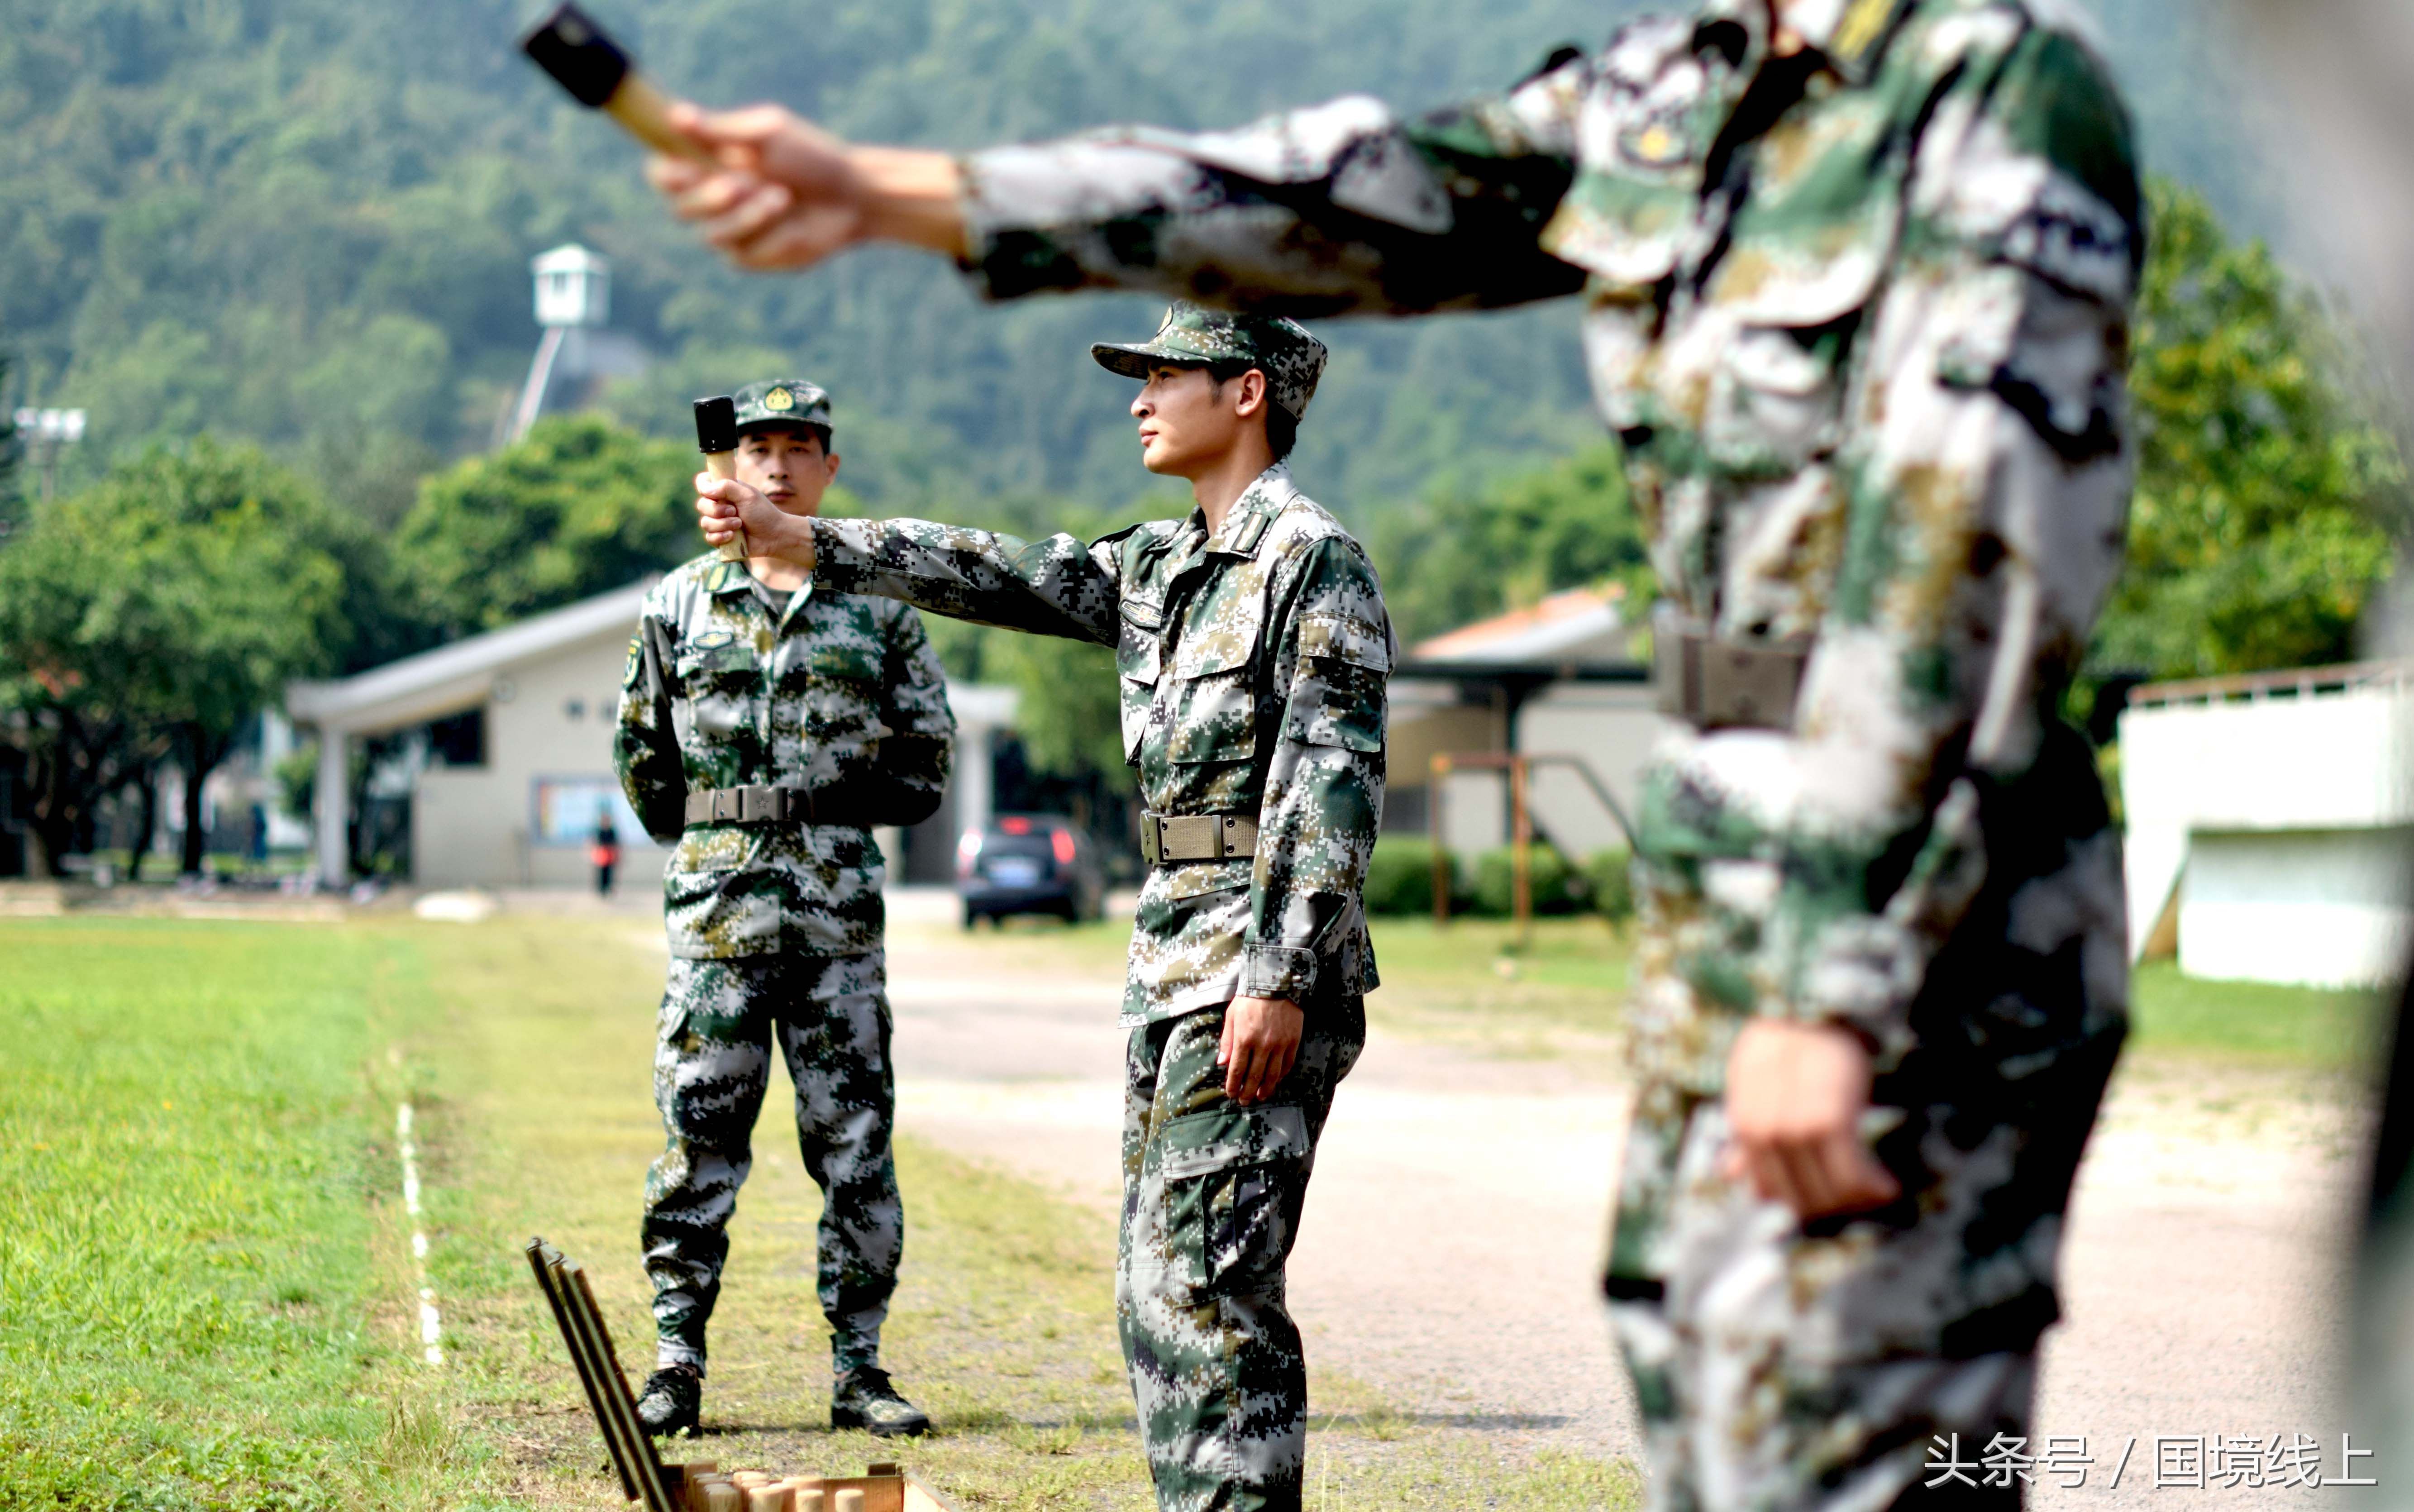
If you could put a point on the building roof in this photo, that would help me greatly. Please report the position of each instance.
(461, 676)
(1580, 625)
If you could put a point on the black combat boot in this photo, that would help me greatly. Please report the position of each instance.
(672, 1401)
(863, 1398)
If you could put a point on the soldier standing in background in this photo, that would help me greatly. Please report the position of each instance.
(1253, 650)
(1857, 276)
(766, 726)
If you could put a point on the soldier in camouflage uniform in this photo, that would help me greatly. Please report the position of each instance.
(1857, 279)
(766, 726)
(1253, 650)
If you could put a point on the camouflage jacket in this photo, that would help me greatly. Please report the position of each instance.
(1253, 665)
(841, 695)
(1860, 315)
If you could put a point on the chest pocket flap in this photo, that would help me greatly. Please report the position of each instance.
(1136, 641)
(847, 662)
(1214, 692)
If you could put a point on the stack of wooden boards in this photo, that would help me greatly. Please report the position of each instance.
(698, 1487)
(883, 1488)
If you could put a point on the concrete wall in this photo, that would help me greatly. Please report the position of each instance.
(1610, 727)
(2319, 908)
(549, 719)
(2280, 828)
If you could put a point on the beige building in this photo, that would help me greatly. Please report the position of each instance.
(519, 771)
(1555, 683)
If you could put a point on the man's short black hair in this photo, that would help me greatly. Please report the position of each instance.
(1282, 426)
(800, 427)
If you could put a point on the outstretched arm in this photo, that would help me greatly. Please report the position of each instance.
(1057, 586)
(1336, 207)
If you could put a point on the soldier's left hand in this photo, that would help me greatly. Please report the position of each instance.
(1260, 1041)
(1795, 1096)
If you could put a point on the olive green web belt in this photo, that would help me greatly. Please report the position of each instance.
(1713, 683)
(755, 804)
(1171, 840)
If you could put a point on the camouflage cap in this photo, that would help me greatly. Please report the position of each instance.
(1282, 349)
(781, 401)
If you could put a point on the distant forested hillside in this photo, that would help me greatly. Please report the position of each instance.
(307, 222)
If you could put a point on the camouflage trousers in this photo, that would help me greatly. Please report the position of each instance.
(1840, 1365)
(712, 1065)
(1212, 1193)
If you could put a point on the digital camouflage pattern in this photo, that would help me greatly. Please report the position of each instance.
(1860, 315)
(712, 1064)
(781, 401)
(831, 692)
(1212, 1193)
(1253, 664)
(1290, 359)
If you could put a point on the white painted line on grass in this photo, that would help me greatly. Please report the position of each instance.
(431, 1326)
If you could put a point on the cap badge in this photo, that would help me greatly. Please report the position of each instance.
(778, 399)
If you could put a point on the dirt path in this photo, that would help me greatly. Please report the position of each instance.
(1459, 1203)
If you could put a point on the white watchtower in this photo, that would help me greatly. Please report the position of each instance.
(574, 287)
(573, 304)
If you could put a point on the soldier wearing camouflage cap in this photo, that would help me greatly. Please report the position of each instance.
(767, 725)
(1857, 280)
(1252, 648)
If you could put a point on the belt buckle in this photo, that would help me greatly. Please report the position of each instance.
(724, 805)
(1152, 844)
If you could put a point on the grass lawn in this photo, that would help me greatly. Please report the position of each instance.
(206, 1289)
(2253, 1021)
(195, 1308)
(206, 1285)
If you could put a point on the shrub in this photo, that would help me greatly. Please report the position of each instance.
(1399, 879)
(1558, 887)
(1610, 875)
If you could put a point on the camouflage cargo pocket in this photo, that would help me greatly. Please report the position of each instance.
(1235, 1179)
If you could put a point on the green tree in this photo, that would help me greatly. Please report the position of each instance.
(578, 507)
(2266, 501)
(1070, 717)
(1463, 555)
(156, 614)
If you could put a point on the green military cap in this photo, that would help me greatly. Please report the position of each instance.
(781, 401)
(1282, 349)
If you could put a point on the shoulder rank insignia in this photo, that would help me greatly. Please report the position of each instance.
(636, 663)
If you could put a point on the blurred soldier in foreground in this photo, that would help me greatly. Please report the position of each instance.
(1253, 649)
(1856, 278)
(766, 726)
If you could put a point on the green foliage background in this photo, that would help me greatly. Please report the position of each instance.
(303, 226)
(307, 222)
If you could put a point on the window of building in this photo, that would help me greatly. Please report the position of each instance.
(459, 740)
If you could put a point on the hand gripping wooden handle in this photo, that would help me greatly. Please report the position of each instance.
(716, 437)
(725, 465)
(582, 59)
